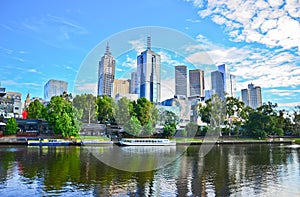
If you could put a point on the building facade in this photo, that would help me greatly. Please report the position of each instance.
(223, 83)
(106, 74)
(217, 84)
(54, 88)
(134, 83)
(252, 96)
(196, 80)
(121, 87)
(181, 80)
(148, 72)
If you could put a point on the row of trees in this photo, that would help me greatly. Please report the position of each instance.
(239, 119)
(60, 114)
(137, 118)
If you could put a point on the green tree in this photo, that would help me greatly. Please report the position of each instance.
(145, 111)
(86, 103)
(36, 110)
(169, 130)
(123, 110)
(205, 111)
(105, 107)
(148, 129)
(63, 117)
(11, 126)
(168, 117)
(191, 129)
(133, 126)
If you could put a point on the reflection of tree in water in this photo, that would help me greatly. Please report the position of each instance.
(225, 170)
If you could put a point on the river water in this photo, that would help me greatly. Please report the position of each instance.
(226, 170)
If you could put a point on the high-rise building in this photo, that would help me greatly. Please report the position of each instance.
(106, 73)
(232, 86)
(121, 87)
(252, 96)
(217, 84)
(181, 80)
(223, 82)
(54, 88)
(196, 79)
(148, 72)
(134, 84)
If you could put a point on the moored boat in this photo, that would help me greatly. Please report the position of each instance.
(48, 142)
(146, 142)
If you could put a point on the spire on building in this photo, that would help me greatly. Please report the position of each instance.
(107, 52)
(149, 42)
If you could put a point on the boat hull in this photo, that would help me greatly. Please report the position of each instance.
(146, 142)
(48, 143)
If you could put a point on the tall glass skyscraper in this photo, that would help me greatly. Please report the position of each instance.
(196, 79)
(223, 82)
(148, 72)
(181, 80)
(106, 74)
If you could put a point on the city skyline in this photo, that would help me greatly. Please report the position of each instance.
(50, 42)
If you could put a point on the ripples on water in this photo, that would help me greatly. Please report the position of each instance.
(228, 170)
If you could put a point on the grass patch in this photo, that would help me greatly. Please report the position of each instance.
(99, 138)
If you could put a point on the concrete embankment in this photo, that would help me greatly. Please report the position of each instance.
(224, 142)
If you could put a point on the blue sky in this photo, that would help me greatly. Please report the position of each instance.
(259, 40)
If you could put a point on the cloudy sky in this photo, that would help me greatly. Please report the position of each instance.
(259, 40)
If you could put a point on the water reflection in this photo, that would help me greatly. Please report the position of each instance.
(227, 170)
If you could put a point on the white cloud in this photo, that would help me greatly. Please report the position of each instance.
(192, 20)
(32, 70)
(167, 59)
(263, 67)
(167, 89)
(129, 62)
(137, 45)
(273, 22)
(284, 92)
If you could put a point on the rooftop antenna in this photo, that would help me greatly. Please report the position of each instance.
(149, 42)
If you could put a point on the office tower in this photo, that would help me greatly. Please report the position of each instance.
(106, 73)
(223, 82)
(196, 79)
(148, 69)
(232, 86)
(134, 85)
(121, 87)
(180, 81)
(252, 96)
(54, 88)
(217, 84)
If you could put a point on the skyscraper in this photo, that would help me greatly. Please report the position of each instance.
(134, 83)
(180, 80)
(223, 82)
(148, 72)
(196, 79)
(54, 88)
(106, 73)
(217, 84)
(252, 96)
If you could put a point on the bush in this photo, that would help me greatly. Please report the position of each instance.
(11, 126)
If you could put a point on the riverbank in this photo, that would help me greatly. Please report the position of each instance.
(88, 141)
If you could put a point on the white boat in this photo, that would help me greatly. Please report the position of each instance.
(146, 142)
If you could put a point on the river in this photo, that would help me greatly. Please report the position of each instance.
(226, 170)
